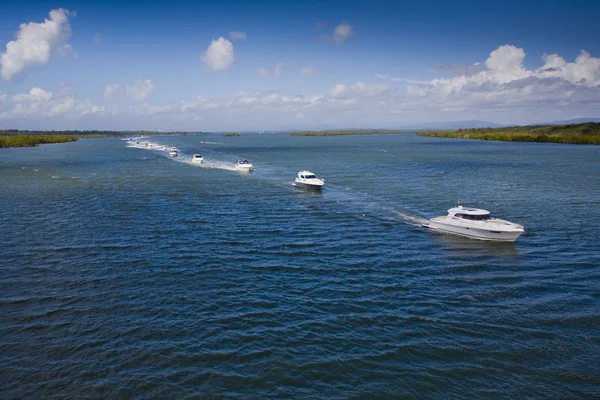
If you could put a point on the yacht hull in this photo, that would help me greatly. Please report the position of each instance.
(505, 235)
(244, 168)
(307, 186)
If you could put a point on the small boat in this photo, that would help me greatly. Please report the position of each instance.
(173, 151)
(308, 180)
(243, 165)
(476, 223)
(197, 159)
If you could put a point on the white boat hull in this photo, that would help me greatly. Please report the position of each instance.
(244, 167)
(474, 232)
(197, 161)
(307, 186)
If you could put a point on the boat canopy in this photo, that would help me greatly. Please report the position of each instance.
(306, 175)
(468, 211)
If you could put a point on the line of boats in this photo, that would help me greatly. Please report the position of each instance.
(474, 223)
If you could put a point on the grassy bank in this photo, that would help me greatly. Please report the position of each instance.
(34, 140)
(349, 132)
(231, 134)
(19, 138)
(586, 133)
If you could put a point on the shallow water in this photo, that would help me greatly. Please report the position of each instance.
(124, 272)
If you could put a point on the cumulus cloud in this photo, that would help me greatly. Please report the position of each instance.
(36, 43)
(262, 71)
(41, 103)
(503, 82)
(111, 90)
(219, 55)
(237, 35)
(140, 90)
(342, 32)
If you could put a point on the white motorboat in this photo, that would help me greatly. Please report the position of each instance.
(243, 165)
(197, 159)
(173, 151)
(476, 223)
(308, 180)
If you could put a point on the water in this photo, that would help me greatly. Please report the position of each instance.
(125, 273)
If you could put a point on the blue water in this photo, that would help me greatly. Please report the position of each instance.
(125, 273)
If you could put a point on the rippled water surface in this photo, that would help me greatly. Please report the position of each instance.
(125, 273)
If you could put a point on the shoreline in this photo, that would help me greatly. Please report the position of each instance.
(585, 133)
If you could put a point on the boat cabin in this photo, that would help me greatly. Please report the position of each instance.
(473, 214)
(306, 175)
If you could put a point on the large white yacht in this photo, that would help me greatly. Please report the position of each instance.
(476, 223)
(308, 180)
(197, 159)
(243, 165)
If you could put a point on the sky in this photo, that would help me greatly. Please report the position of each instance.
(282, 65)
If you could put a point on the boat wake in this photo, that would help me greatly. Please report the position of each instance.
(182, 157)
(364, 203)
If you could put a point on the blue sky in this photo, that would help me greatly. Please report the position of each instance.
(154, 65)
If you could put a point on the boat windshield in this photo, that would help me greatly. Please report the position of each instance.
(309, 176)
(474, 217)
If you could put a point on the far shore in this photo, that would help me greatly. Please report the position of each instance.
(584, 133)
(18, 138)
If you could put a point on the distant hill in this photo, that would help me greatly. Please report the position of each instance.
(571, 121)
(453, 125)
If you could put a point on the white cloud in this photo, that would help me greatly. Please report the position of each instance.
(358, 90)
(342, 32)
(219, 55)
(308, 71)
(140, 90)
(35, 95)
(36, 43)
(111, 90)
(501, 89)
(237, 35)
(504, 87)
(262, 71)
(506, 78)
(41, 103)
(97, 39)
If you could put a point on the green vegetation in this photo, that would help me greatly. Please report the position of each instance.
(18, 138)
(30, 140)
(586, 133)
(231, 134)
(349, 132)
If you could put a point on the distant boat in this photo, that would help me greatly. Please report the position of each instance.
(243, 165)
(307, 180)
(476, 223)
(197, 159)
(173, 151)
